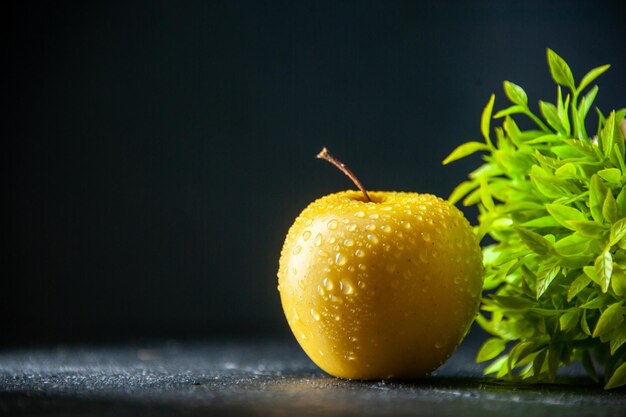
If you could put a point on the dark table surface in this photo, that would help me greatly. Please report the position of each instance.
(267, 377)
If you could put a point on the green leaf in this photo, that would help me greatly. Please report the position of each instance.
(520, 352)
(580, 132)
(486, 119)
(545, 276)
(550, 138)
(515, 93)
(607, 135)
(562, 112)
(496, 365)
(539, 222)
(596, 303)
(610, 319)
(618, 281)
(565, 214)
(554, 360)
(548, 185)
(550, 114)
(569, 319)
(464, 150)
(618, 378)
(588, 228)
(534, 241)
(567, 170)
(515, 303)
(510, 110)
(603, 267)
(461, 191)
(539, 361)
(609, 208)
(621, 203)
(590, 76)
(586, 102)
(612, 175)
(583, 323)
(559, 69)
(619, 148)
(485, 195)
(618, 338)
(571, 245)
(597, 193)
(618, 231)
(577, 286)
(490, 349)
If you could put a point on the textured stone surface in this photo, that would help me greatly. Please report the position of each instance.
(266, 378)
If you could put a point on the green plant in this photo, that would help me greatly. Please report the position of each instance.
(553, 201)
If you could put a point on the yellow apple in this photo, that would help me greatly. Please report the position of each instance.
(380, 289)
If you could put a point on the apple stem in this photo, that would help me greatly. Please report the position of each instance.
(324, 154)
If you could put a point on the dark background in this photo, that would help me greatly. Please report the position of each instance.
(155, 153)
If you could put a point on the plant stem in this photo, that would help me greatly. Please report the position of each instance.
(324, 154)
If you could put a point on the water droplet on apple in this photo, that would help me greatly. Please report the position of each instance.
(346, 287)
(306, 235)
(370, 227)
(348, 242)
(386, 228)
(328, 284)
(359, 214)
(340, 259)
(351, 227)
(439, 345)
(315, 315)
(337, 317)
(361, 284)
(321, 291)
(362, 267)
(294, 271)
(374, 216)
(407, 225)
(373, 238)
(359, 253)
(297, 250)
(318, 240)
(332, 224)
(426, 237)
